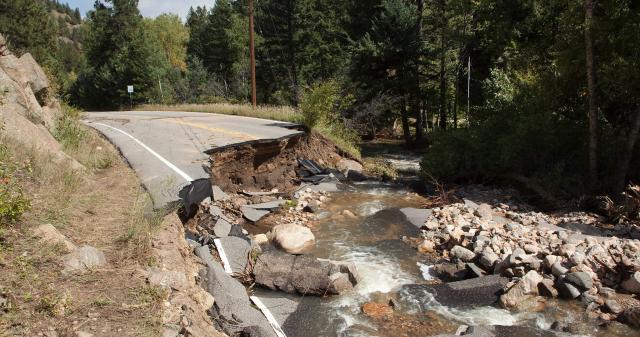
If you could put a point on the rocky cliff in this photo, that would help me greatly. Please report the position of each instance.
(28, 111)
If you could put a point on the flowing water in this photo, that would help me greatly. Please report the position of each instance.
(372, 240)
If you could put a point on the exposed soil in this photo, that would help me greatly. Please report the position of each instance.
(267, 165)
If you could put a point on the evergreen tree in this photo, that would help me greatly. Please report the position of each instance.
(28, 27)
(119, 53)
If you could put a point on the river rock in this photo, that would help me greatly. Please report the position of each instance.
(568, 290)
(484, 211)
(348, 165)
(261, 239)
(49, 234)
(462, 253)
(550, 260)
(83, 259)
(450, 272)
(480, 291)
(525, 288)
(613, 306)
(377, 310)
(547, 289)
(300, 274)
(632, 284)
(426, 247)
(558, 270)
(488, 259)
(580, 279)
(292, 238)
(577, 258)
(631, 316)
(474, 270)
(417, 216)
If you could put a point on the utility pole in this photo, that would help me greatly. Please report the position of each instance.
(468, 87)
(252, 56)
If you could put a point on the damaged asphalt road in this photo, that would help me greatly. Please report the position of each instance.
(166, 149)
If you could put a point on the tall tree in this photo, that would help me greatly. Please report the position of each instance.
(119, 53)
(168, 30)
(591, 83)
(28, 27)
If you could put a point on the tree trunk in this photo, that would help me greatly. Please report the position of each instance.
(627, 154)
(443, 81)
(292, 54)
(404, 114)
(416, 90)
(455, 101)
(593, 108)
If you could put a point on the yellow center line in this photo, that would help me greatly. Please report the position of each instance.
(206, 127)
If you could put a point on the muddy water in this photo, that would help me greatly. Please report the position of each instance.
(371, 240)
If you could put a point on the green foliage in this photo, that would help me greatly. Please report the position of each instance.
(119, 52)
(28, 27)
(68, 130)
(321, 108)
(379, 167)
(13, 202)
(169, 31)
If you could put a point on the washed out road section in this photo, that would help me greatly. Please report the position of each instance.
(166, 148)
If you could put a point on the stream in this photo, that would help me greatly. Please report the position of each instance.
(372, 240)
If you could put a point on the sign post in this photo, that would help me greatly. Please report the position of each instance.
(130, 91)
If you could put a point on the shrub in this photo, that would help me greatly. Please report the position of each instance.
(321, 108)
(68, 130)
(13, 202)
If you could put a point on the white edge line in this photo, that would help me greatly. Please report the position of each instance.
(161, 158)
(272, 320)
(223, 256)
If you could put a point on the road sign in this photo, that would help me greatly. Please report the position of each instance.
(129, 88)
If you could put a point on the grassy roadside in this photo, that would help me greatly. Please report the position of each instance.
(316, 113)
(102, 206)
(277, 113)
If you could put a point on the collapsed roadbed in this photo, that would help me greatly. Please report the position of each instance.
(268, 188)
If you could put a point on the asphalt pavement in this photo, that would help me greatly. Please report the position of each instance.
(166, 148)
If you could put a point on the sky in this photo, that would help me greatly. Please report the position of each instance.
(150, 8)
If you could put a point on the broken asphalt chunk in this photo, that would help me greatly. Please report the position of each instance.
(253, 214)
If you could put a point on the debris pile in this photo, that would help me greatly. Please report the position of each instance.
(542, 255)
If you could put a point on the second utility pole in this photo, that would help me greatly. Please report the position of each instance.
(252, 56)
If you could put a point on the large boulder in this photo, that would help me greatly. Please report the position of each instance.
(301, 274)
(525, 288)
(292, 238)
(35, 76)
(347, 165)
(480, 291)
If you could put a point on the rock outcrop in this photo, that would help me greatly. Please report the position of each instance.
(28, 115)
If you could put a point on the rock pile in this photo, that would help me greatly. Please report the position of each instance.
(542, 255)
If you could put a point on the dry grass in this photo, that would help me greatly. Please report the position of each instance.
(104, 207)
(278, 113)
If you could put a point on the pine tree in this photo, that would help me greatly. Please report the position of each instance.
(119, 53)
